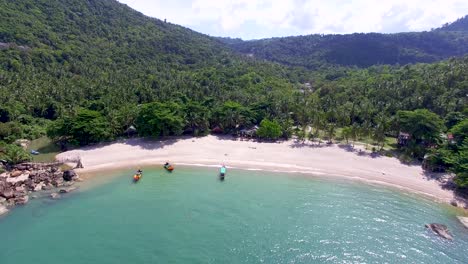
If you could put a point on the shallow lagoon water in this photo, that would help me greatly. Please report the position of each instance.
(190, 216)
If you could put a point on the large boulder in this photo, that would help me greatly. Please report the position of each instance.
(20, 178)
(463, 220)
(10, 203)
(69, 175)
(39, 187)
(20, 189)
(440, 230)
(7, 193)
(68, 190)
(16, 173)
(55, 196)
(22, 200)
(3, 210)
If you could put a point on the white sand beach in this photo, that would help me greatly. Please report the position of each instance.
(289, 156)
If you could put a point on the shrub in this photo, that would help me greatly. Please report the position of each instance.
(269, 129)
(13, 154)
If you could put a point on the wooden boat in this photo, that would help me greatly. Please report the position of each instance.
(168, 167)
(136, 177)
(222, 172)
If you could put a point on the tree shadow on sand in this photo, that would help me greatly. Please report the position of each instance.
(360, 152)
(246, 139)
(445, 181)
(305, 144)
(144, 143)
(225, 137)
(151, 144)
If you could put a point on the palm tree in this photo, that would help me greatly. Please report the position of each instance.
(383, 124)
(346, 132)
(196, 117)
(355, 131)
(331, 129)
(319, 121)
(14, 154)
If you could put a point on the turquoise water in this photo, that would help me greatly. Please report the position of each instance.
(189, 216)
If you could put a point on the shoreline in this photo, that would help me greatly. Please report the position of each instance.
(92, 172)
(286, 157)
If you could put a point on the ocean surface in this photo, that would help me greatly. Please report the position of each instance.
(189, 216)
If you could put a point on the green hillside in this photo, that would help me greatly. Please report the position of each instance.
(83, 72)
(461, 25)
(102, 55)
(361, 50)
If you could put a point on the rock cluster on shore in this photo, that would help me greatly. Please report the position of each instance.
(17, 183)
(463, 220)
(440, 230)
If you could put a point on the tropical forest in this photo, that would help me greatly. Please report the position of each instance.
(85, 72)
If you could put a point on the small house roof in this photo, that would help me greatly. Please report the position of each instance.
(131, 129)
(249, 130)
(404, 134)
(217, 129)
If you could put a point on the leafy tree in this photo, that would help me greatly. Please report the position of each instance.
(331, 131)
(382, 127)
(300, 133)
(453, 118)
(269, 129)
(346, 132)
(13, 154)
(423, 125)
(233, 115)
(160, 119)
(197, 117)
(84, 128)
(460, 131)
(459, 163)
(10, 131)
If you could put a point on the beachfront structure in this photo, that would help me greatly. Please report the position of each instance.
(217, 130)
(251, 132)
(403, 138)
(451, 139)
(433, 163)
(131, 131)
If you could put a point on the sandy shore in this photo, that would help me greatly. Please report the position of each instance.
(290, 156)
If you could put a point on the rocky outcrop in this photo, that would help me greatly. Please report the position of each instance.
(440, 230)
(17, 184)
(19, 178)
(22, 200)
(7, 193)
(69, 175)
(15, 173)
(463, 220)
(68, 190)
(3, 210)
(55, 196)
(39, 187)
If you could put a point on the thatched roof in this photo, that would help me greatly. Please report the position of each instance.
(217, 129)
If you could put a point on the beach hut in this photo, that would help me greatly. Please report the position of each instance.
(131, 131)
(251, 132)
(217, 130)
(451, 139)
(403, 138)
(433, 163)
